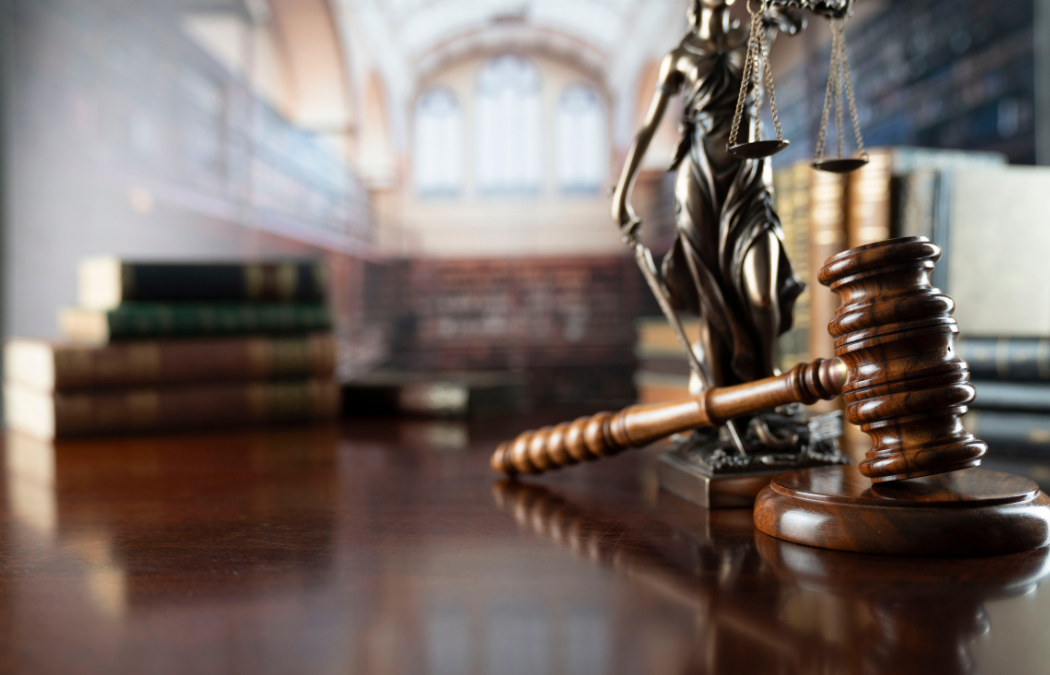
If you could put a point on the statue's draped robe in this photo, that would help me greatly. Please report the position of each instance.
(723, 204)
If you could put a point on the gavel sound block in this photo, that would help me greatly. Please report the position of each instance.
(916, 492)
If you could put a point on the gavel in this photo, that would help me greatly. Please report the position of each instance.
(895, 366)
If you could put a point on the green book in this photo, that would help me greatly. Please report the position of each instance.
(105, 283)
(155, 320)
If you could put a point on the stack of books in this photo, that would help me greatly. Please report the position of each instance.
(988, 218)
(824, 214)
(158, 347)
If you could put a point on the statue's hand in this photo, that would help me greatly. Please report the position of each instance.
(836, 9)
(787, 20)
(626, 218)
(632, 231)
(833, 9)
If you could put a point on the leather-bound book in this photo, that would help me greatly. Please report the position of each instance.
(1010, 359)
(75, 413)
(1019, 434)
(990, 222)
(48, 366)
(108, 282)
(1031, 397)
(143, 320)
(997, 238)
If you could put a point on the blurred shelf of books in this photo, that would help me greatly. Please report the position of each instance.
(560, 329)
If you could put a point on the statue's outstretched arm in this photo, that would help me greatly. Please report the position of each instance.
(667, 86)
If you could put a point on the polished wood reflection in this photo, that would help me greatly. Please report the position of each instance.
(927, 614)
(386, 547)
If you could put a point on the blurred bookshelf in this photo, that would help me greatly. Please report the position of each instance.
(128, 95)
(930, 73)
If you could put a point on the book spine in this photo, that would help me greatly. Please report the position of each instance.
(171, 320)
(1007, 359)
(87, 413)
(175, 362)
(916, 204)
(1011, 432)
(827, 229)
(869, 209)
(799, 252)
(301, 282)
(792, 191)
(1011, 396)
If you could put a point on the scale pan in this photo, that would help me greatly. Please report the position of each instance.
(757, 149)
(840, 165)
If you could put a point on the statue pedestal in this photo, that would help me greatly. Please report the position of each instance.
(712, 491)
(707, 470)
(962, 513)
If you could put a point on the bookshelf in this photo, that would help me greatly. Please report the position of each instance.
(933, 73)
(124, 93)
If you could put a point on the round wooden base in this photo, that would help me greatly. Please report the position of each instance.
(962, 513)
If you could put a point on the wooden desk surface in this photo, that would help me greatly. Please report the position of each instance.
(389, 547)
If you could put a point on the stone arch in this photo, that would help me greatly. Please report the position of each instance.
(321, 91)
(377, 159)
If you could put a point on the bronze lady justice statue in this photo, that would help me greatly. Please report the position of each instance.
(728, 263)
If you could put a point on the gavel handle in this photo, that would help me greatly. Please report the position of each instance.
(607, 434)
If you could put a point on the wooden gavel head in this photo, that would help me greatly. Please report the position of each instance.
(907, 389)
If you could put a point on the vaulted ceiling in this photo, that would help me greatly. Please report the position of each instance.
(405, 40)
(418, 25)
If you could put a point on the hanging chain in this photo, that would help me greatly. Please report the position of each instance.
(849, 94)
(840, 87)
(749, 78)
(755, 80)
(769, 85)
(839, 105)
(829, 100)
(738, 115)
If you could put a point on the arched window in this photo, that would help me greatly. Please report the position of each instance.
(438, 158)
(509, 140)
(582, 141)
